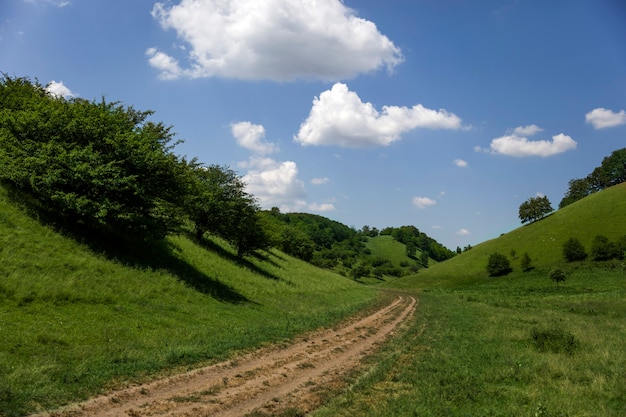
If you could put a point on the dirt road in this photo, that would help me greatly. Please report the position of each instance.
(269, 380)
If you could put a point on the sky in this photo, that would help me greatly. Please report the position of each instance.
(442, 114)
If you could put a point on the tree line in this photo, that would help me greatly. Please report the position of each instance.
(612, 171)
(109, 171)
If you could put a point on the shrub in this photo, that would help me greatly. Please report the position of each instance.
(602, 249)
(573, 250)
(498, 265)
(526, 262)
(558, 275)
(554, 340)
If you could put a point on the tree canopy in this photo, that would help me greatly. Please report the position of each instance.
(534, 209)
(612, 171)
(101, 165)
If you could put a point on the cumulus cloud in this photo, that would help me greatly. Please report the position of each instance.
(275, 183)
(516, 143)
(339, 117)
(250, 136)
(463, 232)
(423, 202)
(460, 163)
(280, 40)
(58, 89)
(602, 118)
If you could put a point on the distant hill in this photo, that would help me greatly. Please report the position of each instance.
(602, 213)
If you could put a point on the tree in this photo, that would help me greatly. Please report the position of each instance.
(296, 242)
(526, 262)
(558, 275)
(218, 204)
(498, 265)
(98, 165)
(577, 190)
(573, 250)
(411, 249)
(534, 209)
(611, 171)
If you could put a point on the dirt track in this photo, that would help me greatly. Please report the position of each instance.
(268, 380)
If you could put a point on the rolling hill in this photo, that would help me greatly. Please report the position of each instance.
(602, 213)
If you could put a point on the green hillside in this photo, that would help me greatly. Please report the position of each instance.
(515, 345)
(602, 213)
(76, 319)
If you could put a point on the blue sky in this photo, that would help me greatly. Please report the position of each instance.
(445, 115)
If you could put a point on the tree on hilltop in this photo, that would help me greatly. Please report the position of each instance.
(534, 208)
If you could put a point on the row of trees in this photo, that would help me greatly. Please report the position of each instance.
(111, 171)
(415, 240)
(612, 171)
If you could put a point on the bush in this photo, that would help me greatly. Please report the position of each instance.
(526, 262)
(573, 250)
(498, 265)
(554, 340)
(98, 165)
(602, 249)
(558, 275)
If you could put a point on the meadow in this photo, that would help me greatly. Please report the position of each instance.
(77, 319)
(516, 345)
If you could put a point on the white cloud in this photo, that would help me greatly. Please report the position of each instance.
(602, 118)
(339, 117)
(275, 184)
(460, 163)
(463, 232)
(324, 207)
(529, 130)
(250, 136)
(320, 181)
(423, 202)
(57, 3)
(58, 89)
(516, 143)
(280, 40)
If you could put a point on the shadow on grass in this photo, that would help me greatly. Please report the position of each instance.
(231, 257)
(157, 254)
(160, 255)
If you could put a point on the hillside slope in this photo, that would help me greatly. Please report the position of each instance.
(602, 213)
(75, 319)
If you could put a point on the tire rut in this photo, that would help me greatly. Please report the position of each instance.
(267, 380)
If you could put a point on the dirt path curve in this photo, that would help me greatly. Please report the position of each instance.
(268, 380)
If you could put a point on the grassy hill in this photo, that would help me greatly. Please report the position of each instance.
(602, 213)
(516, 345)
(76, 318)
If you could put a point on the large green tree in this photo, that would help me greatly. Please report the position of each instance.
(218, 203)
(534, 209)
(97, 164)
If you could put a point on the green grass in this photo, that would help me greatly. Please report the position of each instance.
(603, 213)
(76, 320)
(389, 248)
(471, 351)
(517, 345)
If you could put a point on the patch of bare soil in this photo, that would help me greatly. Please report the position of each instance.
(267, 381)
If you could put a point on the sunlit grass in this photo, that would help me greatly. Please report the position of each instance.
(77, 319)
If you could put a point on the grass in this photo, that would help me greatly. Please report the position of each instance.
(517, 345)
(473, 351)
(77, 319)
